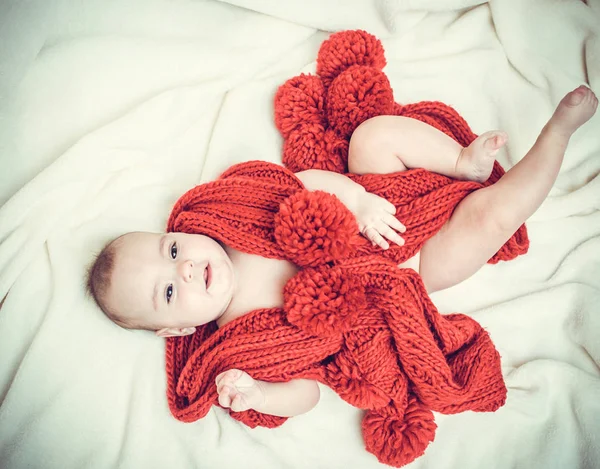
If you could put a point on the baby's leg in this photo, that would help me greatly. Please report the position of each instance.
(388, 144)
(488, 217)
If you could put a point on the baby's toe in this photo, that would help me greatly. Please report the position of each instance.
(576, 96)
(495, 140)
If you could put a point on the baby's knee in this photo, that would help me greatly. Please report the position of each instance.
(366, 134)
(493, 215)
(366, 141)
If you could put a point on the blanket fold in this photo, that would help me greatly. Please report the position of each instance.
(351, 318)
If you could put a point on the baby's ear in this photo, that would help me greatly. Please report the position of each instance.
(175, 331)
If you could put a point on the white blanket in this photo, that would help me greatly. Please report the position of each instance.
(109, 110)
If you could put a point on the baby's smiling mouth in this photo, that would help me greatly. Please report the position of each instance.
(207, 275)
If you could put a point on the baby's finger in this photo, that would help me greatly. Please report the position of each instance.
(389, 233)
(224, 389)
(392, 235)
(228, 377)
(388, 206)
(375, 237)
(224, 398)
(244, 380)
(224, 380)
(392, 221)
(237, 405)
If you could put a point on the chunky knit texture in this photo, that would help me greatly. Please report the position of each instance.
(351, 318)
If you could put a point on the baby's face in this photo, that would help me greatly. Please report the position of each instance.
(171, 280)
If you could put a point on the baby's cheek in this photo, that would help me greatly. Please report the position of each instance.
(191, 301)
(223, 279)
(198, 308)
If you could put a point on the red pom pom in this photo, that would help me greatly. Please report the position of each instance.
(323, 302)
(347, 48)
(312, 147)
(366, 371)
(313, 228)
(337, 148)
(299, 100)
(357, 95)
(398, 439)
(348, 380)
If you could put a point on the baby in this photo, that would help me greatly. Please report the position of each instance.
(172, 282)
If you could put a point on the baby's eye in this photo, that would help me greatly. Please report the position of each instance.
(174, 251)
(169, 293)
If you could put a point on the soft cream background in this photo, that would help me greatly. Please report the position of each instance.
(109, 110)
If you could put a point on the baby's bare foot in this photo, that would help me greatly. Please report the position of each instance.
(475, 162)
(574, 110)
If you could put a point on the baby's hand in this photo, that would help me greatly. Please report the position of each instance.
(376, 220)
(239, 391)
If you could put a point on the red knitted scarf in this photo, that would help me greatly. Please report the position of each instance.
(351, 319)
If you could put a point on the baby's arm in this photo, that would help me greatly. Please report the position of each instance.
(239, 391)
(374, 214)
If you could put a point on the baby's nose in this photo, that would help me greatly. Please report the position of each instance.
(186, 270)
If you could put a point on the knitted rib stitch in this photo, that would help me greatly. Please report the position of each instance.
(351, 318)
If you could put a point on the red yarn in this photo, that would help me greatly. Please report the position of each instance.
(351, 319)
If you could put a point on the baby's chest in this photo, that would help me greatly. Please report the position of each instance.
(261, 281)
